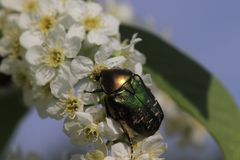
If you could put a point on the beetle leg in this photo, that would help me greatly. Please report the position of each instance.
(94, 91)
(129, 135)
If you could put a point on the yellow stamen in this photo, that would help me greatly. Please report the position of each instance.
(30, 6)
(91, 132)
(71, 104)
(54, 57)
(46, 23)
(96, 71)
(91, 23)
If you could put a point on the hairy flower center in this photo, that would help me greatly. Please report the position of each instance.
(91, 132)
(91, 23)
(54, 58)
(30, 5)
(71, 104)
(96, 71)
(46, 23)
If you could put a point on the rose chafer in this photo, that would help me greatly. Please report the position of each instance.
(129, 102)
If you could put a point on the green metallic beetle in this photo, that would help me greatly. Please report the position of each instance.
(130, 102)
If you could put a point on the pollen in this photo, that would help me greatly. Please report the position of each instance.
(91, 23)
(54, 57)
(91, 132)
(46, 23)
(96, 71)
(30, 5)
(71, 104)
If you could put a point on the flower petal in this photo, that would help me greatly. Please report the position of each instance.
(110, 25)
(76, 31)
(66, 73)
(24, 21)
(110, 129)
(97, 38)
(154, 145)
(72, 47)
(86, 85)
(121, 151)
(138, 68)
(12, 4)
(30, 38)
(75, 9)
(137, 57)
(81, 66)
(34, 55)
(60, 86)
(84, 118)
(93, 9)
(44, 74)
(59, 39)
(114, 62)
(66, 21)
(103, 54)
(54, 110)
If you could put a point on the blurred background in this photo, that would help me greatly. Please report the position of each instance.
(208, 31)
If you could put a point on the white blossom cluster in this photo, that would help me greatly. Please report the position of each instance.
(54, 49)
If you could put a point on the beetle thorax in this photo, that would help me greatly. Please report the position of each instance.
(112, 80)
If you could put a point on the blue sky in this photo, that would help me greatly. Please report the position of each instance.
(208, 30)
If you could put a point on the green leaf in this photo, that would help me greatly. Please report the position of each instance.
(194, 89)
(11, 109)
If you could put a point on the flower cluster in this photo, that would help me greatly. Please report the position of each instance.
(54, 49)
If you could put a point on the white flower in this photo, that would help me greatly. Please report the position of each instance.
(10, 48)
(46, 15)
(122, 10)
(41, 96)
(68, 104)
(83, 130)
(149, 149)
(68, 99)
(52, 58)
(132, 55)
(90, 126)
(120, 151)
(19, 5)
(100, 26)
(84, 67)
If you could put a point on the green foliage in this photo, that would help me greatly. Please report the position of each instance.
(11, 109)
(194, 89)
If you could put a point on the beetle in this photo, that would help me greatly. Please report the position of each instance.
(129, 101)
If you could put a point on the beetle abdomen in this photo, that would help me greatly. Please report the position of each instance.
(136, 105)
(142, 120)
